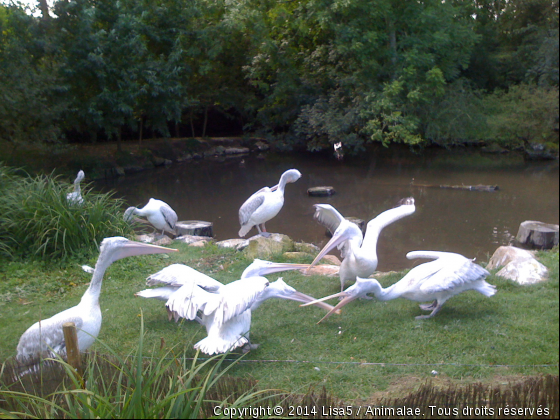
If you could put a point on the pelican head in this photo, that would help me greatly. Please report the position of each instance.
(291, 175)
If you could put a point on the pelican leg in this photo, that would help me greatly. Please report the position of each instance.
(434, 312)
(429, 307)
(264, 232)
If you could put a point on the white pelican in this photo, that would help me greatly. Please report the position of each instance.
(448, 275)
(46, 336)
(76, 196)
(227, 313)
(359, 252)
(264, 204)
(158, 213)
(173, 277)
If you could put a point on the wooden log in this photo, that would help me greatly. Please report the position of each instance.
(537, 235)
(194, 228)
(72, 349)
(320, 191)
(478, 187)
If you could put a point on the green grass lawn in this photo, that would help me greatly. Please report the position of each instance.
(362, 351)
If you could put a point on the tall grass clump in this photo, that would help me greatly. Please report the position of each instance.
(165, 386)
(37, 221)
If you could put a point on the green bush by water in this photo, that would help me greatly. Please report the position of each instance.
(37, 221)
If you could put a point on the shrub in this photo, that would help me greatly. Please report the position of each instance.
(37, 221)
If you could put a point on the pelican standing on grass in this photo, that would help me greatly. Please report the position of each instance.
(175, 276)
(448, 275)
(158, 213)
(226, 314)
(46, 336)
(76, 196)
(359, 252)
(265, 204)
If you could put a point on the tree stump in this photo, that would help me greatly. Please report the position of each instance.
(537, 235)
(320, 191)
(194, 228)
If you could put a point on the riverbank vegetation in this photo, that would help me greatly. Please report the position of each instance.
(304, 74)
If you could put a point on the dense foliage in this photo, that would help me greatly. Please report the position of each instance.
(307, 73)
(38, 222)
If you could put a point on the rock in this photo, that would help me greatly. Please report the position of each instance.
(295, 255)
(194, 228)
(266, 248)
(320, 191)
(518, 265)
(191, 239)
(537, 235)
(331, 259)
(165, 240)
(236, 150)
(307, 248)
(323, 270)
(238, 244)
(538, 151)
(262, 146)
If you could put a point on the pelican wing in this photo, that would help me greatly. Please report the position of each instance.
(46, 335)
(327, 216)
(189, 299)
(169, 215)
(251, 205)
(239, 296)
(452, 273)
(178, 275)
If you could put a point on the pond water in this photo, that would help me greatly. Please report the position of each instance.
(473, 223)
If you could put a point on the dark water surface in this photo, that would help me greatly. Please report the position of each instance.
(472, 223)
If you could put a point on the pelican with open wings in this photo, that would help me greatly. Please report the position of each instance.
(46, 336)
(173, 277)
(359, 252)
(265, 204)
(226, 314)
(446, 276)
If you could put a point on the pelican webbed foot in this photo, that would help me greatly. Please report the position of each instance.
(248, 347)
(436, 309)
(429, 306)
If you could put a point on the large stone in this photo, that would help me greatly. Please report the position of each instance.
(238, 244)
(537, 234)
(323, 270)
(307, 248)
(518, 265)
(266, 248)
(322, 191)
(191, 239)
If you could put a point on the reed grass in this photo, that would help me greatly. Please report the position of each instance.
(37, 221)
(168, 386)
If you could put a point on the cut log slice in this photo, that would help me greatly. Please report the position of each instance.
(537, 235)
(195, 228)
(320, 191)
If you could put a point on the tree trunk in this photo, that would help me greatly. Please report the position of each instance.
(119, 146)
(141, 130)
(191, 121)
(205, 121)
(44, 7)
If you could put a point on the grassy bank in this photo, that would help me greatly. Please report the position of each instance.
(368, 349)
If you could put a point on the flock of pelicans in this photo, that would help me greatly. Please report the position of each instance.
(225, 310)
